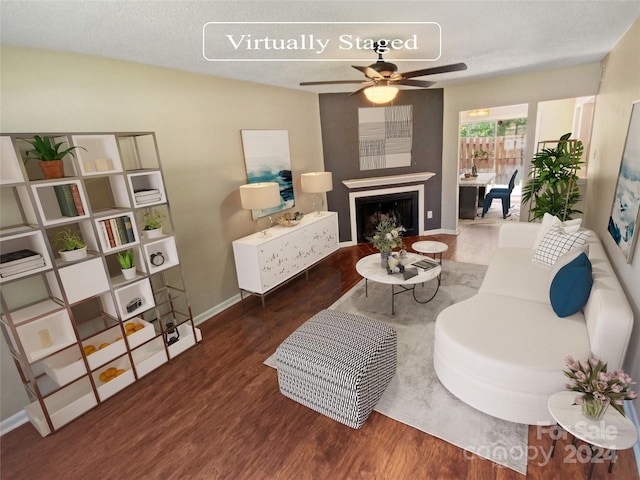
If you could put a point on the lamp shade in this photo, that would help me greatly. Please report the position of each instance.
(260, 195)
(316, 182)
(380, 94)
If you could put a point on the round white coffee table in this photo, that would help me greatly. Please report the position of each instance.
(369, 267)
(430, 247)
(613, 432)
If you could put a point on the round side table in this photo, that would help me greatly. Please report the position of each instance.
(614, 432)
(431, 248)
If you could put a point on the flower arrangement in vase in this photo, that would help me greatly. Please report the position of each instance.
(387, 237)
(598, 388)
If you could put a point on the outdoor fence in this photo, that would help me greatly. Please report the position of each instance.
(503, 155)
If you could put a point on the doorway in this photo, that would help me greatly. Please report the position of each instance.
(492, 142)
(494, 139)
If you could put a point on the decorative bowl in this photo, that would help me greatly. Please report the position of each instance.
(289, 220)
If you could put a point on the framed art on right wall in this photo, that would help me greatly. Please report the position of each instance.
(626, 200)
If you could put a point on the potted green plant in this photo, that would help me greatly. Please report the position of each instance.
(70, 244)
(152, 220)
(49, 154)
(553, 185)
(127, 263)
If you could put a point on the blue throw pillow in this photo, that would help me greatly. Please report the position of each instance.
(571, 286)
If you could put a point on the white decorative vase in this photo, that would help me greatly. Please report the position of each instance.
(73, 255)
(153, 233)
(128, 273)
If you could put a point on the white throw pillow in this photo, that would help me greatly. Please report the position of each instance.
(556, 243)
(570, 226)
(549, 221)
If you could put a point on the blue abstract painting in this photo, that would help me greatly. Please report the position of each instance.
(267, 159)
(626, 201)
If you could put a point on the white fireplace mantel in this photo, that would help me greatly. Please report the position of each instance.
(387, 180)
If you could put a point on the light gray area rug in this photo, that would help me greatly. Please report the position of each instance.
(415, 396)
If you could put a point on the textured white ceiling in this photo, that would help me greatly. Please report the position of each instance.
(492, 37)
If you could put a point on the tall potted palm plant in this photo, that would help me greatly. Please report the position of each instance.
(553, 186)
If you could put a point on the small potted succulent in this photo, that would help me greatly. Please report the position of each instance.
(49, 154)
(152, 223)
(127, 263)
(71, 245)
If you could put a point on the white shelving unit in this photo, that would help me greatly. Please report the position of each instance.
(68, 324)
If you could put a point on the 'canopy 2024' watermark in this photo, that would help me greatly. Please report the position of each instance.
(319, 41)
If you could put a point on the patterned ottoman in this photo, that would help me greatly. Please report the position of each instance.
(338, 364)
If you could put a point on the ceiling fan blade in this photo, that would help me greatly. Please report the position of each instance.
(414, 83)
(331, 82)
(369, 72)
(455, 67)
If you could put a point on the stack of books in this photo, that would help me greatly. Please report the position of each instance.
(425, 264)
(20, 261)
(147, 195)
(117, 231)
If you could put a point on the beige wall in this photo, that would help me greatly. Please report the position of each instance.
(531, 88)
(620, 88)
(555, 118)
(197, 120)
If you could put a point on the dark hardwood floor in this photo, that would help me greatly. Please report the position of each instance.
(215, 412)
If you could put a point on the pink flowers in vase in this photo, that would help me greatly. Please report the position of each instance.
(591, 379)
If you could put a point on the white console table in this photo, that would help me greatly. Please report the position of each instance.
(263, 264)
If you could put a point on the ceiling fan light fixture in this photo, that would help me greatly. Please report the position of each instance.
(380, 94)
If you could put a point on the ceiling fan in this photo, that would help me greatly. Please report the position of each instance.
(382, 76)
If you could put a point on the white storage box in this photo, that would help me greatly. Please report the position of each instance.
(103, 355)
(65, 366)
(149, 357)
(185, 341)
(63, 406)
(113, 386)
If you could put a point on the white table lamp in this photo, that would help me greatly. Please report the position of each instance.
(260, 196)
(317, 183)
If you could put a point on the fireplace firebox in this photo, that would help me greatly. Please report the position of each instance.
(401, 208)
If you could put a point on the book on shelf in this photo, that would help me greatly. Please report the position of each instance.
(425, 264)
(156, 198)
(77, 201)
(129, 229)
(146, 191)
(32, 264)
(19, 256)
(114, 229)
(122, 230)
(105, 235)
(65, 200)
(106, 224)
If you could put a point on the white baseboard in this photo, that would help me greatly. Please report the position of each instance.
(14, 421)
(631, 415)
(440, 231)
(204, 316)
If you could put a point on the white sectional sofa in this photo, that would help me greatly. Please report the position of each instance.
(502, 351)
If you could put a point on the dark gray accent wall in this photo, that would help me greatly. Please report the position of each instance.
(339, 121)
